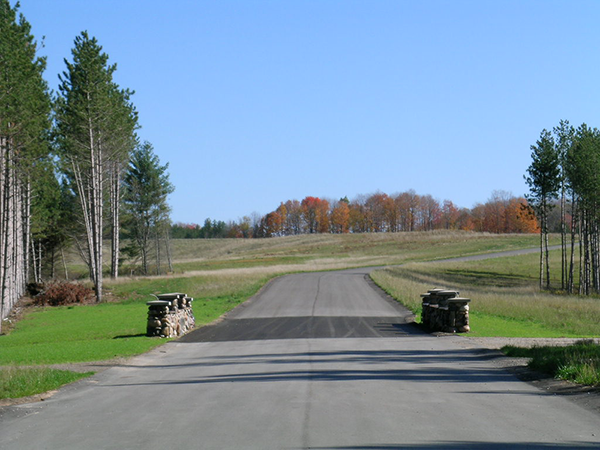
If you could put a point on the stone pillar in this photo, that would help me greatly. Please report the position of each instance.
(444, 310)
(171, 315)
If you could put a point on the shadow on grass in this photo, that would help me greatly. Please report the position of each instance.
(127, 336)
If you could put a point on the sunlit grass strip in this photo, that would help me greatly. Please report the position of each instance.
(579, 363)
(23, 382)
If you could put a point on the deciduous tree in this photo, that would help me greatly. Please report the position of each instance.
(340, 217)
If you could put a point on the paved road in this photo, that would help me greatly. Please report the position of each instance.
(319, 361)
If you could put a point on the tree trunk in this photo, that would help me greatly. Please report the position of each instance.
(62, 254)
(84, 192)
(115, 217)
(5, 228)
(563, 236)
(168, 248)
(40, 260)
(4, 177)
(12, 244)
(547, 258)
(157, 252)
(542, 252)
(571, 282)
(96, 201)
(36, 277)
(27, 231)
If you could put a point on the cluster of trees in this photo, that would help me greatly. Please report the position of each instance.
(565, 174)
(375, 213)
(24, 123)
(210, 230)
(72, 169)
(406, 211)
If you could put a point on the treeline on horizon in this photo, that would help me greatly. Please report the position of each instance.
(374, 213)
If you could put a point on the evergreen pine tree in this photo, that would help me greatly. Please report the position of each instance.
(96, 131)
(544, 183)
(24, 122)
(146, 187)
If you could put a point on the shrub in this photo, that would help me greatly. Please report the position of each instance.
(64, 293)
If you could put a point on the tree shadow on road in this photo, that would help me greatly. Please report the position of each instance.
(469, 446)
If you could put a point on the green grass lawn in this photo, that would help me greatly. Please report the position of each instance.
(54, 335)
(77, 334)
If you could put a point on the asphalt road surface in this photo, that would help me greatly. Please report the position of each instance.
(314, 361)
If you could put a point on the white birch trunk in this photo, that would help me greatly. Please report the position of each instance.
(62, 255)
(168, 248)
(27, 227)
(115, 198)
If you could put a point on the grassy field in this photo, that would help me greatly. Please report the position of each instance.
(220, 274)
(326, 251)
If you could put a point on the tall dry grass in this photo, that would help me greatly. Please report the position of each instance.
(496, 289)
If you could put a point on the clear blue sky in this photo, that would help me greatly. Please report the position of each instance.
(256, 102)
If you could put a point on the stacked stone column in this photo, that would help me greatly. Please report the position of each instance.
(443, 310)
(170, 315)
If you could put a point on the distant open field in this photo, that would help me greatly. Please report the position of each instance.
(322, 251)
(319, 251)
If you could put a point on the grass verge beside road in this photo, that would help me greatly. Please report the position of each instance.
(579, 363)
(17, 382)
